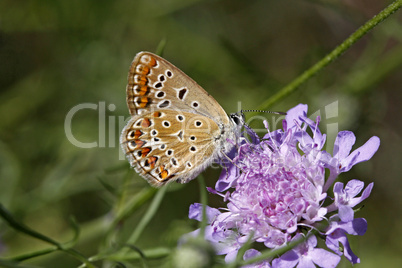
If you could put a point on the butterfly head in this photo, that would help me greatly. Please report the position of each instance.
(238, 119)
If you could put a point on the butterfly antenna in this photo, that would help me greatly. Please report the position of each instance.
(262, 111)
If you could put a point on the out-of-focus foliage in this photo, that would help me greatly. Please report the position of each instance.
(57, 56)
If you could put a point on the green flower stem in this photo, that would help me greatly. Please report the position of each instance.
(204, 200)
(153, 208)
(11, 264)
(34, 254)
(9, 218)
(153, 253)
(242, 251)
(333, 55)
(6, 215)
(132, 205)
(362, 79)
(266, 254)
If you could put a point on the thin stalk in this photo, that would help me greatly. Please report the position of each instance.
(153, 208)
(333, 55)
(204, 198)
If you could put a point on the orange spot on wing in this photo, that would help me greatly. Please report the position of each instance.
(144, 70)
(143, 81)
(143, 91)
(144, 102)
(157, 114)
(164, 174)
(146, 123)
(145, 151)
(152, 160)
(139, 143)
(137, 134)
(152, 61)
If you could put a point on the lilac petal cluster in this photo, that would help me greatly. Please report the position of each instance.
(276, 191)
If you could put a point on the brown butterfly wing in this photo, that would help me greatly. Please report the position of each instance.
(154, 84)
(168, 145)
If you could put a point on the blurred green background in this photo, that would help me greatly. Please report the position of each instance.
(55, 55)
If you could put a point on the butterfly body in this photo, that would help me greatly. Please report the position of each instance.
(176, 128)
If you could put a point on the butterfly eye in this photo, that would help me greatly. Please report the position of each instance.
(237, 119)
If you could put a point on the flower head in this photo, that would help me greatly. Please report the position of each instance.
(275, 191)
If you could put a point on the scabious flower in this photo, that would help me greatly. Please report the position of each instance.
(276, 191)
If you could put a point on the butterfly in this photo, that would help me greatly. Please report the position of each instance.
(176, 129)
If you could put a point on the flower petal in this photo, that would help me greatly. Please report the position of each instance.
(292, 116)
(361, 154)
(227, 178)
(195, 212)
(306, 262)
(365, 194)
(324, 258)
(287, 260)
(354, 187)
(343, 144)
(346, 213)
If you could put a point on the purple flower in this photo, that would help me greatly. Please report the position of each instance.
(345, 199)
(337, 234)
(275, 191)
(196, 212)
(343, 160)
(251, 253)
(306, 255)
